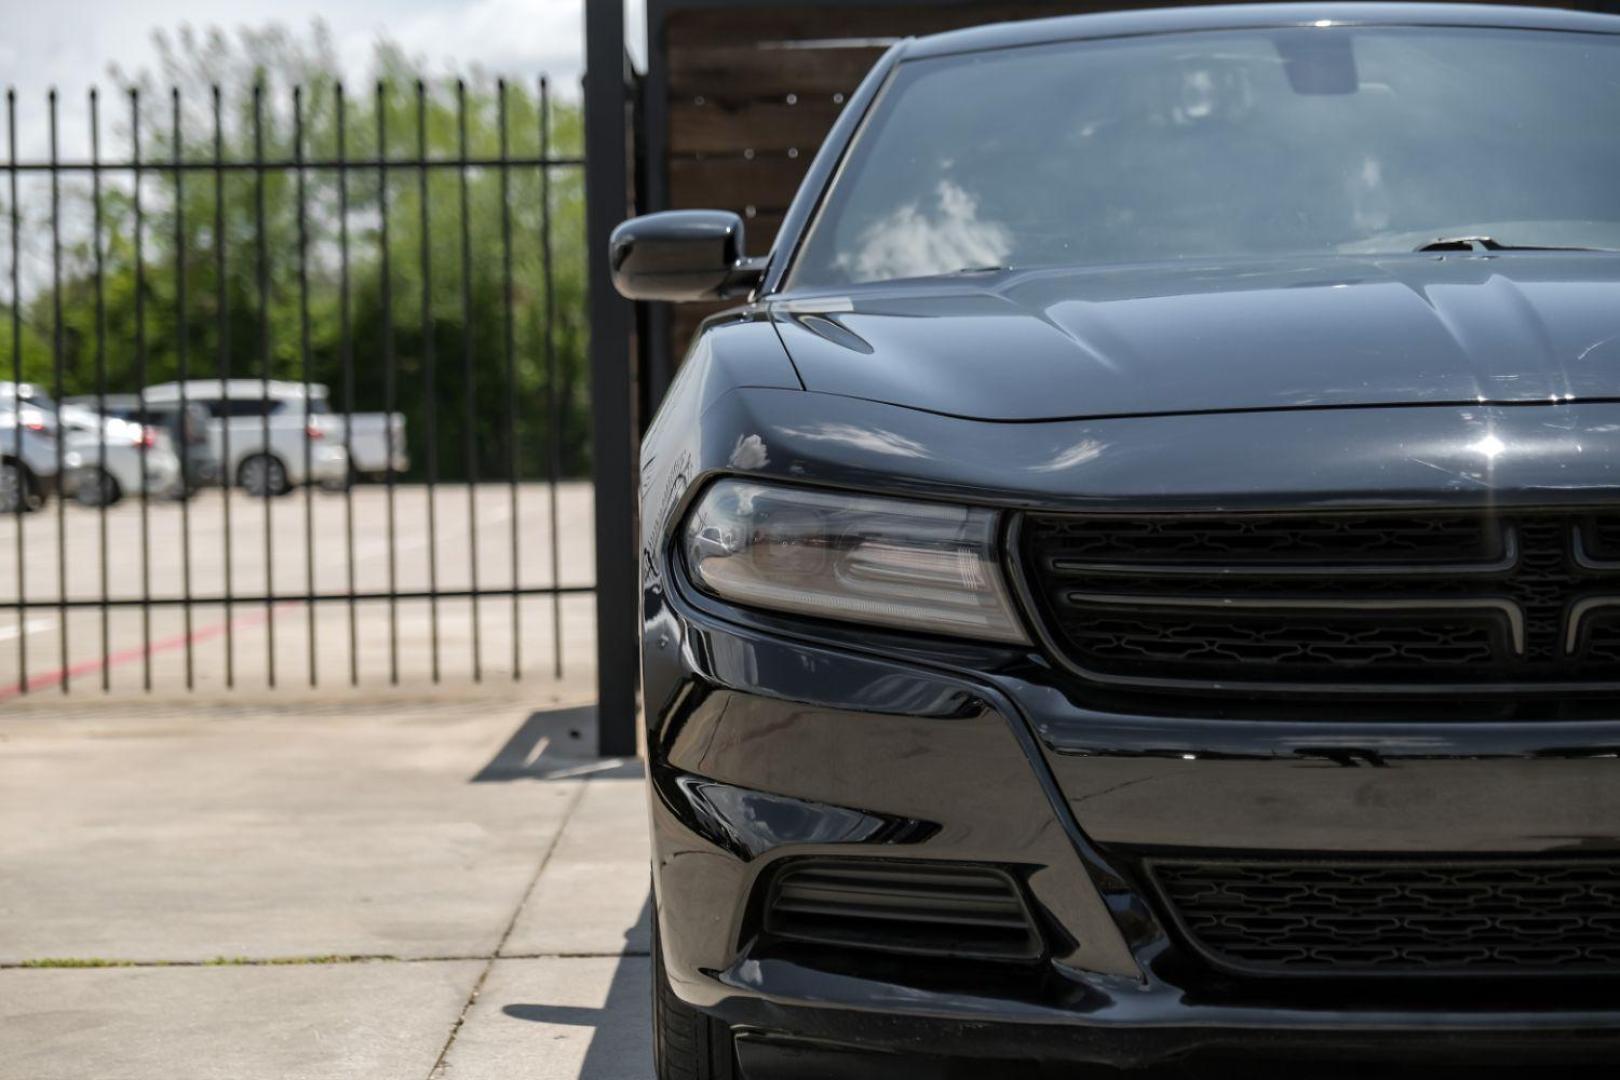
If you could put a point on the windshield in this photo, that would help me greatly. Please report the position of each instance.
(1230, 143)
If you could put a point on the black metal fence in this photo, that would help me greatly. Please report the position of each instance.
(197, 263)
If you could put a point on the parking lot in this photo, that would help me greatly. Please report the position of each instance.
(152, 560)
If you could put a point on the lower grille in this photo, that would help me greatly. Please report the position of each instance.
(962, 912)
(1399, 918)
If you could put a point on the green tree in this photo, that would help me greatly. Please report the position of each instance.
(278, 99)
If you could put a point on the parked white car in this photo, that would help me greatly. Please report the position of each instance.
(95, 479)
(27, 446)
(238, 411)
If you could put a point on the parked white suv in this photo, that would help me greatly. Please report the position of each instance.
(239, 408)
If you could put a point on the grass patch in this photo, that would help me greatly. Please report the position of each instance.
(276, 961)
(218, 961)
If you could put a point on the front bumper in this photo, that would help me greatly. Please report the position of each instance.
(767, 743)
(889, 1032)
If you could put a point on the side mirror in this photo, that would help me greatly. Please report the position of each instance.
(682, 255)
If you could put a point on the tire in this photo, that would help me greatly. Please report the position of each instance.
(339, 485)
(14, 488)
(263, 475)
(98, 489)
(687, 1045)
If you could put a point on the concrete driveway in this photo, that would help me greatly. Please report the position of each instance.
(387, 888)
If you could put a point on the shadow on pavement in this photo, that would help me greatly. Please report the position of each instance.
(624, 1018)
(554, 744)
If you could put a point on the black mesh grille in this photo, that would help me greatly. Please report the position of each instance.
(918, 908)
(1353, 641)
(1375, 601)
(1296, 540)
(1604, 537)
(1604, 643)
(1399, 918)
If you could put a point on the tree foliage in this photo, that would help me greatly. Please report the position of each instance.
(461, 291)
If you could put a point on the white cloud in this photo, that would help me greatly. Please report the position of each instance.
(69, 44)
(913, 240)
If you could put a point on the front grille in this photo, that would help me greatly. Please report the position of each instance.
(1389, 917)
(938, 909)
(1385, 602)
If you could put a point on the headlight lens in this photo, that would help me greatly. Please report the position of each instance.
(916, 566)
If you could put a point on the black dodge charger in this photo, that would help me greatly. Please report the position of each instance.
(1137, 578)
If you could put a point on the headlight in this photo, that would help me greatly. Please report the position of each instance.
(916, 566)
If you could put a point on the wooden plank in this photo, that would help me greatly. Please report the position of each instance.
(714, 128)
(767, 183)
(758, 72)
(759, 232)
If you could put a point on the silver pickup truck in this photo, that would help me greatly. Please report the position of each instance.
(243, 410)
(369, 438)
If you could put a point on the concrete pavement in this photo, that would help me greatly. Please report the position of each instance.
(393, 888)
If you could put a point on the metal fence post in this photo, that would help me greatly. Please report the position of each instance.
(612, 399)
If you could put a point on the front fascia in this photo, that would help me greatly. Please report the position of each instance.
(1115, 783)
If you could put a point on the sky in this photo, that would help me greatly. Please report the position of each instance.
(69, 44)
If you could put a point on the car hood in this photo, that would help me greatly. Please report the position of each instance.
(1213, 337)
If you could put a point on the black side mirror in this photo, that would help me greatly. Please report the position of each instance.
(682, 255)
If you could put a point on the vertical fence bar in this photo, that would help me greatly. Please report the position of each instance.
(183, 362)
(346, 348)
(553, 399)
(141, 377)
(510, 350)
(227, 473)
(390, 377)
(96, 228)
(21, 504)
(303, 358)
(267, 479)
(57, 376)
(430, 374)
(469, 384)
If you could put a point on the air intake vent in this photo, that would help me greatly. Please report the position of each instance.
(1400, 918)
(918, 908)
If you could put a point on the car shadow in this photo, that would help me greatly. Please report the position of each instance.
(621, 1039)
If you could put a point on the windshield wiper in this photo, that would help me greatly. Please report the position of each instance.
(1490, 243)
